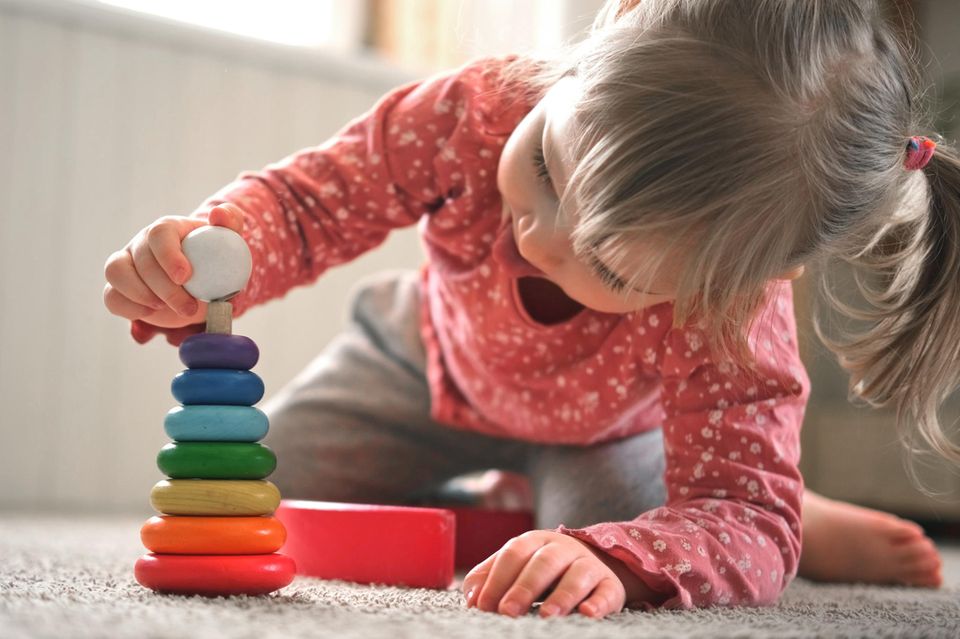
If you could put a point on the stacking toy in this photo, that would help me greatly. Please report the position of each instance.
(216, 533)
(217, 386)
(215, 575)
(214, 497)
(168, 534)
(221, 263)
(216, 460)
(216, 424)
(235, 352)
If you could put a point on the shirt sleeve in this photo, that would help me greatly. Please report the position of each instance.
(326, 205)
(729, 533)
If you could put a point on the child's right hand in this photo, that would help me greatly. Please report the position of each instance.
(145, 278)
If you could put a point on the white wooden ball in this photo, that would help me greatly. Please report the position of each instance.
(221, 263)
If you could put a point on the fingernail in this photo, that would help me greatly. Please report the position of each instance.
(588, 610)
(470, 597)
(157, 306)
(179, 275)
(511, 608)
(549, 610)
(189, 308)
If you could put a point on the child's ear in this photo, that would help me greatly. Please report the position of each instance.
(792, 274)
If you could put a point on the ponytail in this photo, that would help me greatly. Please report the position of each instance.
(909, 356)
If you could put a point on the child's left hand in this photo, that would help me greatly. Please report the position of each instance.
(511, 579)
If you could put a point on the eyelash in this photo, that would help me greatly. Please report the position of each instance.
(609, 280)
(540, 164)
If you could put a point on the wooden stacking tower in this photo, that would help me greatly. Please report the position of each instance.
(216, 533)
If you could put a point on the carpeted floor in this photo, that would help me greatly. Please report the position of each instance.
(73, 577)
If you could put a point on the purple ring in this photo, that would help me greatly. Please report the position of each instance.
(215, 350)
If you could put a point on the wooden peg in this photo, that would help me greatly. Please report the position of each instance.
(220, 317)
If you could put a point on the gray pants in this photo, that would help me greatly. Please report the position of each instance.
(354, 426)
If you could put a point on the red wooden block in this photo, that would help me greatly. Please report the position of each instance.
(482, 532)
(392, 545)
(214, 575)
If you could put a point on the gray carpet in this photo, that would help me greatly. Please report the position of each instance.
(63, 577)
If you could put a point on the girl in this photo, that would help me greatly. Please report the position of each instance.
(606, 306)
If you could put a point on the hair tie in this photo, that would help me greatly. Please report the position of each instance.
(919, 151)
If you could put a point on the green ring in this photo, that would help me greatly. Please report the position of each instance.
(216, 460)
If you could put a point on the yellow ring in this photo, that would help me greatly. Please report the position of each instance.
(234, 497)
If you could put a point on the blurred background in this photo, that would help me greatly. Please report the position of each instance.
(115, 113)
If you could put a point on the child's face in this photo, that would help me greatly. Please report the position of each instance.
(530, 195)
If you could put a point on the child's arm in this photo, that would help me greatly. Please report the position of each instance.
(326, 205)
(730, 532)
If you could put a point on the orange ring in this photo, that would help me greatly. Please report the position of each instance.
(213, 535)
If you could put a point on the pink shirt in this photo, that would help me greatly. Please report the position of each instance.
(427, 153)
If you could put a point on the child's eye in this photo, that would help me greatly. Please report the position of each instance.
(540, 164)
(608, 277)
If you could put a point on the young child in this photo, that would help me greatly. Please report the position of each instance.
(606, 305)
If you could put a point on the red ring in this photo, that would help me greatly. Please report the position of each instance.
(215, 575)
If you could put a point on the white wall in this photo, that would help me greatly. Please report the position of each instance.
(533, 25)
(107, 122)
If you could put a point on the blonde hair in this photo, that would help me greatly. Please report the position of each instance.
(758, 136)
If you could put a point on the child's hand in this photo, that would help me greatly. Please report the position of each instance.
(515, 576)
(145, 278)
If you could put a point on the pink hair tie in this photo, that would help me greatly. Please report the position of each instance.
(919, 151)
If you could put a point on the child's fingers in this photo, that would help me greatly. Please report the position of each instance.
(164, 238)
(228, 215)
(547, 565)
(126, 294)
(577, 583)
(474, 580)
(607, 598)
(142, 332)
(122, 306)
(160, 283)
(507, 564)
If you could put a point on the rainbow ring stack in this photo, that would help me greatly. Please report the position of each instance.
(216, 534)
